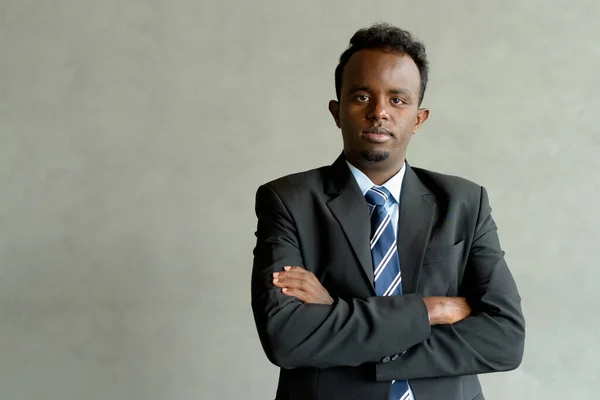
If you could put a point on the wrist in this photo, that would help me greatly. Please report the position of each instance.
(434, 310)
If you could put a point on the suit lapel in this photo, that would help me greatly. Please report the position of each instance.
(414, 227)
(350, 209)
(417, 212)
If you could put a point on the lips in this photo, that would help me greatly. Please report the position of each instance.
(377, 135)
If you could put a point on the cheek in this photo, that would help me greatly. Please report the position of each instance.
(350, 117)
(404, 127)
(401, 124)
(406, 122)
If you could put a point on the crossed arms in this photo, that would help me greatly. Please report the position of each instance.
(303, 326)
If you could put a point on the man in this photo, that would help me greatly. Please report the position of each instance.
(373, 279)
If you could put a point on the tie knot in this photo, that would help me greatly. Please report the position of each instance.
(377, 196)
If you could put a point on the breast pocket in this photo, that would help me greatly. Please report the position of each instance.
(440, 270)
(436, 254)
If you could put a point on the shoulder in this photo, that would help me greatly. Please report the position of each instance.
(298, 181)
(297, 185)
(448, 186)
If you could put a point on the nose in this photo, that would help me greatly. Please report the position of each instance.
(378, 110)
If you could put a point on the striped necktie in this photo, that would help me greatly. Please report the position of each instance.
(386, 262)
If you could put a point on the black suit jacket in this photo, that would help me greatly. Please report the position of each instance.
(352, 349)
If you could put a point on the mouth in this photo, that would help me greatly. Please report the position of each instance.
(377, 135)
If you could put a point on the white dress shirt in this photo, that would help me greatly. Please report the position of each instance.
(392, 205)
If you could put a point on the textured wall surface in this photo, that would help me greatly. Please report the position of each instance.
(133, 135)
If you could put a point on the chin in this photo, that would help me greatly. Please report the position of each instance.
(375, 155)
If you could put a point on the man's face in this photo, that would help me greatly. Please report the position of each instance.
(378, 109)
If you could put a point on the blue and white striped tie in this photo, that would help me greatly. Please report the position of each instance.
(386, 262)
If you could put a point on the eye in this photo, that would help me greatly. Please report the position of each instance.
(397, 101)
(362, 98)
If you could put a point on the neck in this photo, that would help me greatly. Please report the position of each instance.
(380, 177)
(379, 174)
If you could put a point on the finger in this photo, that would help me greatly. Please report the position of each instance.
(291, 275)
(306, 273)
(299, 294)
(293, 268)
(292, 283)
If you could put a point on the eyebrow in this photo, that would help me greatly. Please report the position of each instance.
(360, 88)
(405, 92)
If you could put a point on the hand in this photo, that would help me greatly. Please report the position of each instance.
(447, 310)
(303, 284)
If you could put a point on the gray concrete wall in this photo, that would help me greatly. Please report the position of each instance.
(133, 135)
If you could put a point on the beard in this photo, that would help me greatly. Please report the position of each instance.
(375, 155)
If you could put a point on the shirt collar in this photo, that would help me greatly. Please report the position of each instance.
(393, 185)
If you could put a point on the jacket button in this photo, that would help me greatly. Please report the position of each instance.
(385, 359)
(395, 357)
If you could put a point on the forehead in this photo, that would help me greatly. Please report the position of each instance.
(381, 69)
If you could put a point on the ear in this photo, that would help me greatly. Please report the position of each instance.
(334, 109)
(422, 116)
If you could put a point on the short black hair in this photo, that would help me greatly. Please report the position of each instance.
(386, 37)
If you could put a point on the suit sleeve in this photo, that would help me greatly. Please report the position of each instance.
(492, 338)
(347, 333)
